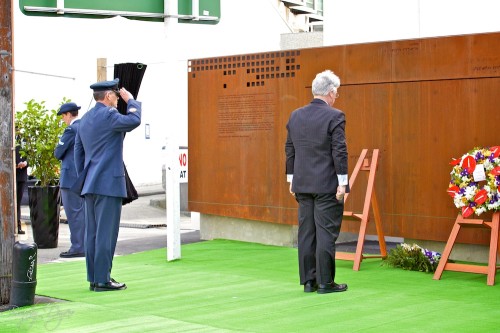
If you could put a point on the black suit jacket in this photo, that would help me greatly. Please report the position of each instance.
(316, 150)
(21, 174)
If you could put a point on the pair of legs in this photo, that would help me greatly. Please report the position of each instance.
(20, 191)
(102, 222)
(75, 212)
(320, 219)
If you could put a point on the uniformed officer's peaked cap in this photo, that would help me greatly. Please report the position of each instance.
(105, 85)
(67, 107)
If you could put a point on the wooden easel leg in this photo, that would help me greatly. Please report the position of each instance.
(447, 250)
(361, 241)
(378, 225)
(492, 260)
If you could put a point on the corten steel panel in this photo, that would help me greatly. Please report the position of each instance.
(421, 102)
(234, 158)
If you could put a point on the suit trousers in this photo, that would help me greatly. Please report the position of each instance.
(102, 223)
(20, 191)
(75, 213)
(320, 219)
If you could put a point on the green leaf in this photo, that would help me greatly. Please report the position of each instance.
(37, 132)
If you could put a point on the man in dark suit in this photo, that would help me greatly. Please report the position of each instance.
(21, 179)
(99, 163)
(316, 167)
(72, 202)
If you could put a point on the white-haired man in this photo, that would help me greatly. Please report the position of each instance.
(316, 167)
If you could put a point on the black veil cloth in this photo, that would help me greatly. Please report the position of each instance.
(130, 75)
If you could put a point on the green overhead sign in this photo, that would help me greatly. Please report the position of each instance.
(189, 11)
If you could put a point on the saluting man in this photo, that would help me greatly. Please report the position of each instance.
(99, 163)
(72, 202)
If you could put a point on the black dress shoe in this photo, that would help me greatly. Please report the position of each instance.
(92, 286)
(68, 254)
(109, 286)
(310, 286)
(331, 288)
(20, 232)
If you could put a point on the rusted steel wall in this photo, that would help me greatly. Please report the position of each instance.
(6, 152)
(421, 102)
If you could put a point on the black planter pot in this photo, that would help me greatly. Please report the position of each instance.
(31, 182)
(44, 203)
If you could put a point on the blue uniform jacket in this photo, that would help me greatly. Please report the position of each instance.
(65, 152)
(99, 149)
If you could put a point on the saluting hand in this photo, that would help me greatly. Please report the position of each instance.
(125, 95)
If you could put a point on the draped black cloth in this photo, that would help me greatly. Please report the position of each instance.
(130, 75)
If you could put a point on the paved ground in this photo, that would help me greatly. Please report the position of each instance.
(143, 227)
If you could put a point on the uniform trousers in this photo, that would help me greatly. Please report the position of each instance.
(102, 222)
(75, 212)
(320, 219)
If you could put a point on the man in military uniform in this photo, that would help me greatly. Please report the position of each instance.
(72, 202)
(99, 163)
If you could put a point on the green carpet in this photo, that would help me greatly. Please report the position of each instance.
(229, 286)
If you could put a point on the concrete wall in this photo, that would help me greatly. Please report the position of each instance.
(301, 40)
(213, 227)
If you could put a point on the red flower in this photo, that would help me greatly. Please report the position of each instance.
(496, 151)
(467, 211)
(495, 171)
(452, 190)
(481, 197)
(469, 163)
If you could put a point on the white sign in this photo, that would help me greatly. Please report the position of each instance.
(183, 165)
(479, 174)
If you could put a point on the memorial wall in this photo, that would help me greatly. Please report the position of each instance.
(421, 102)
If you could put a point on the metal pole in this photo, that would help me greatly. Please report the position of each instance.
(172, 194)
(7, 196)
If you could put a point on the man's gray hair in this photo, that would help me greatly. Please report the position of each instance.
(325, 82)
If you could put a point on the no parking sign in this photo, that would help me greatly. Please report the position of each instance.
(183, 165)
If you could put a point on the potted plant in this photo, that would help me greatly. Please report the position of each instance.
(37, 132)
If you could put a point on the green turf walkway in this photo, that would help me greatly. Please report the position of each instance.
(229, 286)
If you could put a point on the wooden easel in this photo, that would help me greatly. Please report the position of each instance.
(364, 164)
(492, 267)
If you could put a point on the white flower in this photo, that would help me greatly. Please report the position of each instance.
(488, 189)
(470, 192)
(458, 201)
(487, 165)
(495, 205)
(480, 210)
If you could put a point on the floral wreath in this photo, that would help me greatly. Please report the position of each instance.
(475, 181)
